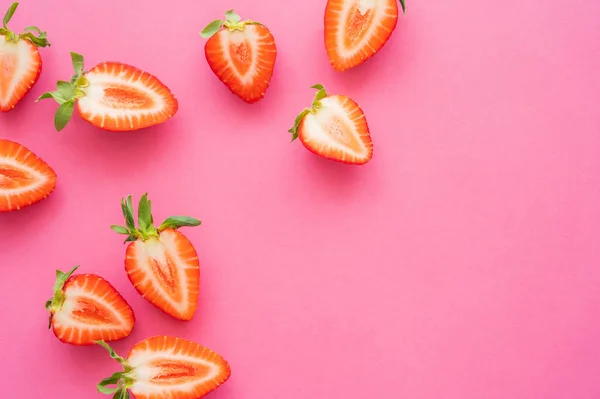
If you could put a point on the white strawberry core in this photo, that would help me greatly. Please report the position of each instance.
(365, 5)
(158, 249)
(16, 62)
(249, 37)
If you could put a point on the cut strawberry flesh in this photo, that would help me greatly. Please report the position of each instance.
(24, 178)
(167, 367)
(243, 60)
(20, 67)
(166, 272)
(338, 130)
(356, 29)
(124, 98)
(93, 310)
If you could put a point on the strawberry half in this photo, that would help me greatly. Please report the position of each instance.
(113, 96)
(355, 30)
(20, 61)
(161, 263)
(242, 54)
(24, 178)
(85, 308)
(166, 368)
(335, 128)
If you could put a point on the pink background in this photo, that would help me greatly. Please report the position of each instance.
(462, 262)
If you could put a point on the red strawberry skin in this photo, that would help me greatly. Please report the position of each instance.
(92, 310)
(243, 60)
(166, 272)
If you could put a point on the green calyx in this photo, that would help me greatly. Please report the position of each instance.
(68, 92)
(31, 33)
(403, 6)
(232, 22)
(55, 303)
(118, 383)
(146, 229)
(316, 105)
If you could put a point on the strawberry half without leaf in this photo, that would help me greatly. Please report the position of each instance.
(161, 263)
(112, 96)
(86, 308)
(242, 54)
(20, 61)
(334, 127)
(164, 368)
(355, 30)
(25, 179)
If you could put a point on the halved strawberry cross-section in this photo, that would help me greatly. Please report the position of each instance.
(164, 368)
(161, 262)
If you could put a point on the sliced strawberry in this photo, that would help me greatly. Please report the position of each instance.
(357, 29)
(85, 308)
(20, 61)
(335, 128)
(161, 263)
(24, 178)
(165, 368)
(113, 96)
(242, 54)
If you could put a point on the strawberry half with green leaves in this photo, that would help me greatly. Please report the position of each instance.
(334, 127)
(161, 263)
(166, 368)
(112, 96)
(355, 30)
(242, 54)
(86, 308)
(20, 61)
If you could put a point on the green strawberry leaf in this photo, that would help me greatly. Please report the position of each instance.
(321, 93)
(127, 207)
(175, 222)
(403, 6)
(145, 213)
(294, 129)
(61, 278)
(120, 230)
(63, 114)
(77, 60)
(58, 97)
(231, 16)
(58, 298)
(115, 379)
(212, 28)
(9, 14)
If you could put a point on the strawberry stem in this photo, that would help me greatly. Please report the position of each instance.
(68, 92)
(38, 40)
(232, 22)
(122, 379)
(316, 105)
(146, 229)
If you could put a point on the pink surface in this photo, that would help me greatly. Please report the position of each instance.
(462, 262)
